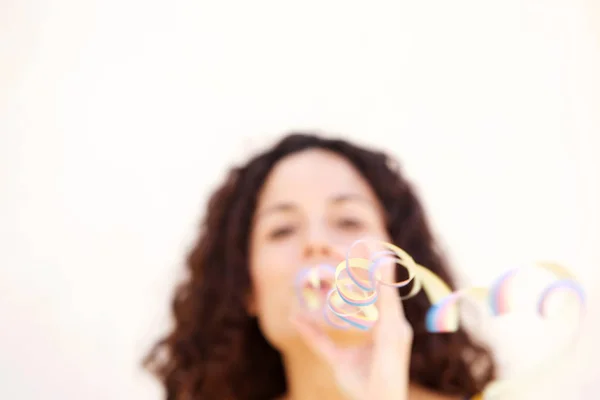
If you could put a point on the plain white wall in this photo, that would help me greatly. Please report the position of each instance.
(117, 118)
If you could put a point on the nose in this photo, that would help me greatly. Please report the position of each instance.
(318, 250)
(319, 247)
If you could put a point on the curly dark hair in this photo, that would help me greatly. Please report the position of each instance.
(216, 349)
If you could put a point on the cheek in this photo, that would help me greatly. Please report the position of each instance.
(272, 272)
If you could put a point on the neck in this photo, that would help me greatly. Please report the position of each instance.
(308, 378)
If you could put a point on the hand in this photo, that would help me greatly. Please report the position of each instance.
(378, 369)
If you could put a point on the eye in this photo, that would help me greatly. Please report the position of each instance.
(281, 232)
(349, 223)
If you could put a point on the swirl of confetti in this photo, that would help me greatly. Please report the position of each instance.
(499, 304)
(350, 303)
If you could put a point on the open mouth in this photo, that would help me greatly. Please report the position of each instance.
(314, 284)
(318, 285)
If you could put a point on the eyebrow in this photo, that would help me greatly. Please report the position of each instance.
(277, 208)
(338, 199)
(342, 198)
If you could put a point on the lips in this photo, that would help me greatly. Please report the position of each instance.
(320, 285)
(314, 283)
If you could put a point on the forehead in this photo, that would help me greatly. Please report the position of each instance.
(313, 174)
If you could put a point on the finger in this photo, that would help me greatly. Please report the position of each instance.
(389, 305)
(315, 338)
(392, 328)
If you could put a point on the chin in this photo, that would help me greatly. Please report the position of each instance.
(349, 337)
(343, 337)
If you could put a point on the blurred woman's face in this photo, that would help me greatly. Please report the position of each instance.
(313, 205)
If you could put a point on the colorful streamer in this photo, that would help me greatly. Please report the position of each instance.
(351, 302)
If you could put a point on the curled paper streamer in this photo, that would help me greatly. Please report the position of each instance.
(351, 301)
(558, 286)
(443, 316)
(499, 305)
(565, 282)
(439, 318)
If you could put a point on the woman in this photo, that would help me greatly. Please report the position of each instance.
(238, 333)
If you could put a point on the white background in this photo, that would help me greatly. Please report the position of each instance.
(117, 118)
